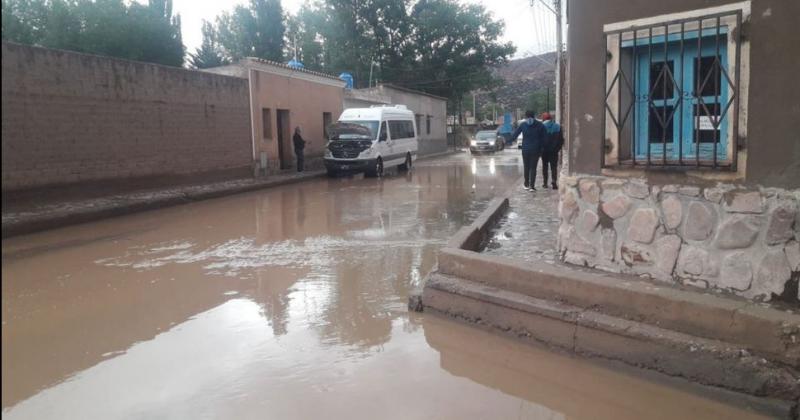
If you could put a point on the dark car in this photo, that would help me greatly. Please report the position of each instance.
(486, 141)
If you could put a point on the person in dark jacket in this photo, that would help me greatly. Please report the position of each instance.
(299, 145)
(552, 146)
(533, 139)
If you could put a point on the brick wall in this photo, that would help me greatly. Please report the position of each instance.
(70, 118)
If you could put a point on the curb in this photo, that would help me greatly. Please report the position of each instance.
(439, 154)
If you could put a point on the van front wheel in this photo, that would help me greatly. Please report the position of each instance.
(376, 170)
(407, 164)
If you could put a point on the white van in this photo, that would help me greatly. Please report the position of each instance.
(371, 139)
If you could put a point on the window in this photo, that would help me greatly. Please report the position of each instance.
(428, 124)
(326, 121)
(371, 125)
(418, 120)
(266, 122)
(383, 130)
(401, 129)
(661, 85)
(671, 92)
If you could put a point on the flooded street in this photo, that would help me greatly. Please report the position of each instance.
(286, 303)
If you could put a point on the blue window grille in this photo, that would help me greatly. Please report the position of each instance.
(672, 100)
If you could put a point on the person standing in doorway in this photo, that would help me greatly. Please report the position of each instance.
(554, 141)
(533, 138)
(299, 146)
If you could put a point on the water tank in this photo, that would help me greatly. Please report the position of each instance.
(348, 79)
(295, 64)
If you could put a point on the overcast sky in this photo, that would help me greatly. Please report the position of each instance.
(531, 29)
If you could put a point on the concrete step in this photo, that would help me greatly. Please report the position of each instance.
(760, 329)
(590, 333)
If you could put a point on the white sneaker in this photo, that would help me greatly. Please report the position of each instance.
(527, 188)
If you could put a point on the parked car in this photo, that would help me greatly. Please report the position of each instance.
(486, 141)
(371, 139)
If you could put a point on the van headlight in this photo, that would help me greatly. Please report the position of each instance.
(473, 142)
(328, 153)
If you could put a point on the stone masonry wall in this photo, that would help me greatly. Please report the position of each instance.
(77, 118)
(745, 241)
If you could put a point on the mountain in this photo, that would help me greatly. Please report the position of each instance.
(521, 78)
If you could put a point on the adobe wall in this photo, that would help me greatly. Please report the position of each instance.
(71, 118)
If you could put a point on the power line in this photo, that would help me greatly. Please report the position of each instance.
(551, 8)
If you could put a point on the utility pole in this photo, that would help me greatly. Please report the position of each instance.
(547, 100)
(474, 114)
(556, 9)
(559, 51)
(371, 63)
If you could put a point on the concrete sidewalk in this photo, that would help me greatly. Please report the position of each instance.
(36, 215)
(529, 230)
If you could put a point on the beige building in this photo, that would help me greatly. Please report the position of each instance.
(282, 98)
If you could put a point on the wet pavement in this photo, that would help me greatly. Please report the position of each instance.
(286, 303)
(529, 229)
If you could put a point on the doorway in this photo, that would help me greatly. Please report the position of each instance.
(284, 136)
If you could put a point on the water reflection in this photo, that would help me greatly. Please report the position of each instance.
(336, 256)
(569, 387)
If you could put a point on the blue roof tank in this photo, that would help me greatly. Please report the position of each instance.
(348, 79)
(295, 64)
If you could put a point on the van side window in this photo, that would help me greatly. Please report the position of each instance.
(396, 129)
(401, 129)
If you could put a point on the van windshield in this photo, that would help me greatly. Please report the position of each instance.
(372, 126)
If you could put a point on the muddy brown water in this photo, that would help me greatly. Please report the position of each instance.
(286, 303)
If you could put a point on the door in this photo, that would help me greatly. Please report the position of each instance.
(384, 142)
(284, 139)
(681, 99)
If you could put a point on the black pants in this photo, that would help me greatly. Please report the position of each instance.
(530, 158)
(550, 159)
(300, 160)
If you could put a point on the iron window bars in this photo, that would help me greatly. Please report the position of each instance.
(681, 110)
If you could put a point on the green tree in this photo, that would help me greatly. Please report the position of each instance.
(157, 33)
(539, 102)
(439, 46)
(367, 31)
(457, 45)
(253, 31)
(304, 30)
(108, 27)
(24, 20)
(347, 39)
(210, 53)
